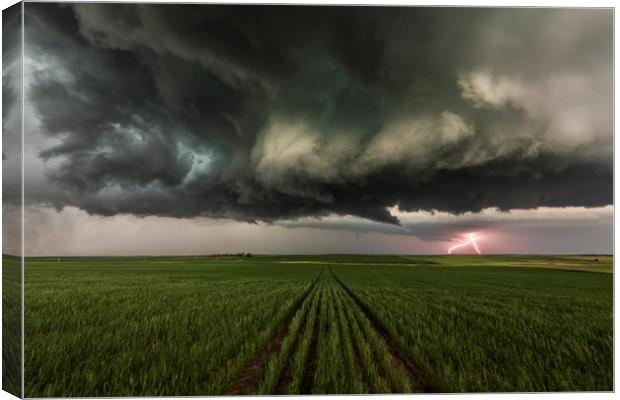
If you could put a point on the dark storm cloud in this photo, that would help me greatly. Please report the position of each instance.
(11, 45)
(11, 102)
(268, 113)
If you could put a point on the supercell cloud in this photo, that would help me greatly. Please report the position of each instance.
(268, 113)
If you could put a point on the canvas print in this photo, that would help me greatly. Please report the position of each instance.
(240, 199)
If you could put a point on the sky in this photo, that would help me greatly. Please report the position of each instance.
(196, 129)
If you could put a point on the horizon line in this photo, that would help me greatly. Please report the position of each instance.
(244, 254)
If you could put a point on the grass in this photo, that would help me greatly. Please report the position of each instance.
(479, 329)
(11, 325)
(316, 324)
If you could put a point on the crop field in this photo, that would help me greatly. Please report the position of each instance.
(11, 325)
(317, 324)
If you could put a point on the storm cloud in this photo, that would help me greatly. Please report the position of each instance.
(267, 113)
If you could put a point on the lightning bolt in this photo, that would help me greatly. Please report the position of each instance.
(471, 239)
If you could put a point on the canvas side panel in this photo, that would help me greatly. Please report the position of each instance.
(12, 201)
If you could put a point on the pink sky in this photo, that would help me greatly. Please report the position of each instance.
(545, 230)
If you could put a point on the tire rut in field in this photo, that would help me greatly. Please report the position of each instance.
(359, 364)
(358, 369)
(308, 376)
(399, 358)
(357, 357)
(285, 377)
(365, 337)
(249, 379)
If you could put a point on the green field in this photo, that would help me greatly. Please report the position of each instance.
(11, 325)
(317, 324)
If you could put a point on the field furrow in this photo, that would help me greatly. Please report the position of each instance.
(293, 367)
(404, 374)
(374, 381)
(275, 368)
(356, 383)
(305, 385)
(249, 380)
(329, 373)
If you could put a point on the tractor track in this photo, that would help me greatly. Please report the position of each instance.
(307, 378)
(247, 382)
(285, 378)
(346, 336)
(399, 358)
(253, 374)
